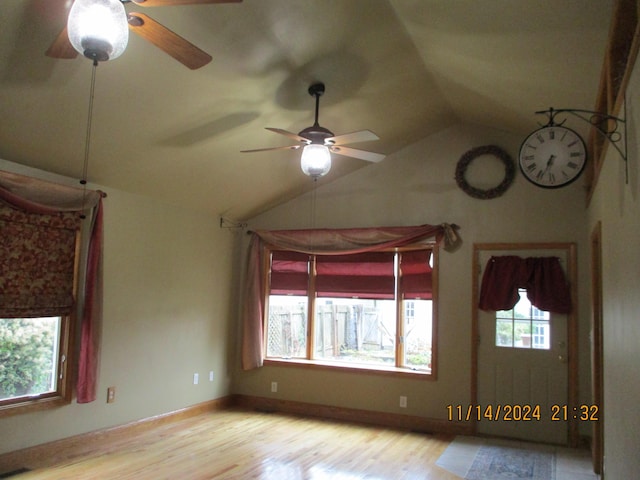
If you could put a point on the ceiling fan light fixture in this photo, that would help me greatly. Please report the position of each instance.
(98, 29)
(315, 160)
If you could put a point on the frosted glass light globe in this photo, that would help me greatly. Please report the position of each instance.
(98, 29)
(315, 160)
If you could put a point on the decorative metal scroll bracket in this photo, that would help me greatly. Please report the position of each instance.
(614, 129)
(231, 224)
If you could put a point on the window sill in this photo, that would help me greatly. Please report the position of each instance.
(32, 404)
(351, 368)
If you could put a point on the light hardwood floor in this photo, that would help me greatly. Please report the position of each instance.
(238, 444)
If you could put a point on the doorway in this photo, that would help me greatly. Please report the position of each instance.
(529, 368)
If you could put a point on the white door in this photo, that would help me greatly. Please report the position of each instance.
(523, 368)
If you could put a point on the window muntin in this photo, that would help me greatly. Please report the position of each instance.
(373, 309)
(524, 326)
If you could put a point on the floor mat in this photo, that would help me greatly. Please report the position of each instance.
(474, 458)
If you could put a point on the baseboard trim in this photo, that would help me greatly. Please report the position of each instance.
(83, 444)
(382, 419)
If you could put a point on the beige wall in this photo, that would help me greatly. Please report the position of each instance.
(617, 205)
(417, 186)
(167, 297)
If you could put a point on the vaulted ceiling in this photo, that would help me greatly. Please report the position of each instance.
(404, 69)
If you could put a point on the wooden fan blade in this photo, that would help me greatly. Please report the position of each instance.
(166, 3)
(61, 47)
(176, 46)
(355, 153)
(353, 137)
(288, 147)
(294, 136)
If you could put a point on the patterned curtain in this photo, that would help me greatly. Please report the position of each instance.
(37, 260)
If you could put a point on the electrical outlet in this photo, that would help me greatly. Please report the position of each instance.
(196, 378)
(274, 386)
(211, 376)
(403, 401)
(111, 394)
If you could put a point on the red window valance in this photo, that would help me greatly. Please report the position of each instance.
(363, 275)
(289, 273)
(416, 275)
(542, 277)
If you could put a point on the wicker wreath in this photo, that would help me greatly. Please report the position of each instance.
(467, 158)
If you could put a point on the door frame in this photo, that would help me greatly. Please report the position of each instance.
(597, 361)
(572, 321)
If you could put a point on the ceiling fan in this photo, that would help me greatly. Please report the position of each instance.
(171, 43)
(318, 142)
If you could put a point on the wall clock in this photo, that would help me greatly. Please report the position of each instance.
(552, 156)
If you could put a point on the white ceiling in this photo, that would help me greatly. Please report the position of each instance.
(401, 68)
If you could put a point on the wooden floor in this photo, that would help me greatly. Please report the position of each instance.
(235, 444)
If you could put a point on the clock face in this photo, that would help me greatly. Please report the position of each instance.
(552, 156)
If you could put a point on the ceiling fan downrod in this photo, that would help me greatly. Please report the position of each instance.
(317, 90)
(315, 133)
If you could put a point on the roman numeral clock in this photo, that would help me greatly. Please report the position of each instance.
(552, 156)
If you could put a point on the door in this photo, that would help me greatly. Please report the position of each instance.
(522, 366)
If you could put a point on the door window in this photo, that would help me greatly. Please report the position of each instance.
(524, 326)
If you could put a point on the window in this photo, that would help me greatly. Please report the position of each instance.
(370, 310)
(524, 326)
(38, 259)
(32, 358)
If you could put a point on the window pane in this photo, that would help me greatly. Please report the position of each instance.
(522, 333)
(539, 314)
(28, 356)
(524, 326)
(287, 326)
(355, 330)
(541, 337)
(418, 316)
(504, 333)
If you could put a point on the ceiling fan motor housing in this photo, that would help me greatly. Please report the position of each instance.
(316, 134)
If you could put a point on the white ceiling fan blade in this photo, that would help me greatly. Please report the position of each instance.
(353, 137)
(294, 136)
(355, 153)
(288, 147)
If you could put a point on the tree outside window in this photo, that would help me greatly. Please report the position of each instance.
(28, 356)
